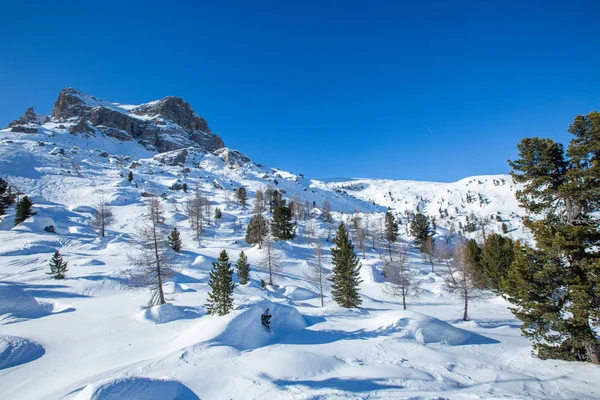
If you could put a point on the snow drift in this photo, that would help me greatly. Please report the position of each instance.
(137, 388)
(15, 303)
(15, 350)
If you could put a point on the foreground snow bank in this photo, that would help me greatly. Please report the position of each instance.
(17, 303)
(15, 350)
(242, 329)
(137, 388)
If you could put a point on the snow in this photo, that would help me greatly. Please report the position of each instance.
(137, 388)
(89, 337)
(16, 350)
(16, 303)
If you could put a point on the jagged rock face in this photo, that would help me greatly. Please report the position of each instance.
(232, 158)
(164, 125)
(172, 158)
(27, 123)
(174, 109)
(69, 104)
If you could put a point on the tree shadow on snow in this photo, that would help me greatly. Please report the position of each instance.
(47, 291)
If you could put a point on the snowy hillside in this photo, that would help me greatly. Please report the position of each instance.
(90, 337)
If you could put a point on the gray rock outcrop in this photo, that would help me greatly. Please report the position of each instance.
(164, 125)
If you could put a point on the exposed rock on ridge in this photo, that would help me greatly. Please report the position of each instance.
(164, 125)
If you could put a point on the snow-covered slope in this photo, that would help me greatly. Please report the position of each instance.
(89, 337)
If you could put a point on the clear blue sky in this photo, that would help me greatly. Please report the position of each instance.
(432, 90)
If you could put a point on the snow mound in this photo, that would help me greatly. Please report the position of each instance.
(174, 287)
(137, 388)
(37, 223)
(425, 329)
(159, 314)
(89, 262)
(245, 330)
(17, 303)
(242, 328)
(298, 293)
(15, 350)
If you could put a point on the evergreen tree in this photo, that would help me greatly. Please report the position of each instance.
(218, 213)
(243, 269)
(420, 229)
(257, 230)
(496, 257)
(504, 228)
(345, 276)
(391, 230)
(472, 258)
(58, 267)
(282, 227)
(185, 187)
(554, 288)
(174, 240)
(23, 210)
(130, 176)
(220, 298)
(7, 197)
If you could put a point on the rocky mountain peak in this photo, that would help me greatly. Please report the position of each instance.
(165, 125)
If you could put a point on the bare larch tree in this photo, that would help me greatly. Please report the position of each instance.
(460, 281)
(153, 260)
(102, 216)
(399, 280)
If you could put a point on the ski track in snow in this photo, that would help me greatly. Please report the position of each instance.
(87, 337)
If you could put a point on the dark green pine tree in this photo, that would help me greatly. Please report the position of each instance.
(496, 257)
(391, 230)
(174, 240)
(472, 255)
(58, 267)
(130, 176)
(345, 276)
(282, 227)
(218, 213)
(23, 210)
(6, 196)
(220, 298)
(420, 229)
(554, 288)
(243, 269)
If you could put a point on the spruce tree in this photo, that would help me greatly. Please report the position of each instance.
(496, 257)
(130, 176)
(220, 298)
(23, 210)
(554, 288)
(58, 267)
(282, 227)
(257, 230)
(420, 229)
(345, 276)
(174, 240)
(391, 230)
(243, 269)
(218, 213)
(6, 196)
(472, 258)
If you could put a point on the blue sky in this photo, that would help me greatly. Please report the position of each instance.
(432, 90)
